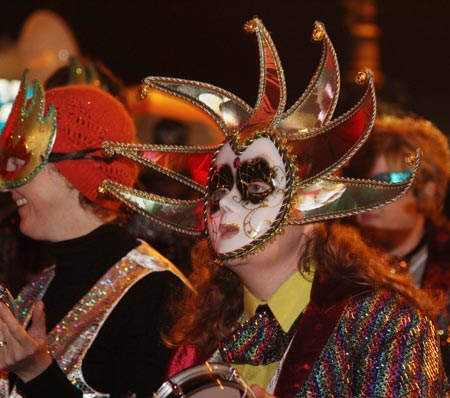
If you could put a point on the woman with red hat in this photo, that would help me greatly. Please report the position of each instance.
(104, 296)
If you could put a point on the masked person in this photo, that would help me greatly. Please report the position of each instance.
(104, 297)
(300, 307)
(412, 229)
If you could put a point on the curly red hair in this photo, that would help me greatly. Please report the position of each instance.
(212, 313)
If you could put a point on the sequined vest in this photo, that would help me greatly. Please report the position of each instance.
(71, 338)
(353, 342)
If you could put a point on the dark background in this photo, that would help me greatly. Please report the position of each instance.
(203, 40)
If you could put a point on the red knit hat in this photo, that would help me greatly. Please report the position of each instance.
(86, 117)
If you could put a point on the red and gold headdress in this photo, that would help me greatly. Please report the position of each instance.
(27, 138)
(313, 147)
(66, 126)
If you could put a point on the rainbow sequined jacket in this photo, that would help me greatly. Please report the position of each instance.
(437, 277)
(354, 342)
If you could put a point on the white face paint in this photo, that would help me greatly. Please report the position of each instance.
(245, 195)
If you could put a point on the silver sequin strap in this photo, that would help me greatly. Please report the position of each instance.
(71, 338)
(32, 293)
(25, 301)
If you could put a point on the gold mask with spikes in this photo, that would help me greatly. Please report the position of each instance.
(27, 138)
(311, 145)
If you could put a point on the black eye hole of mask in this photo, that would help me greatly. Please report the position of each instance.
(255, 180)
(221, 183)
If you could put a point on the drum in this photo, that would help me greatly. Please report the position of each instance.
(210, 380)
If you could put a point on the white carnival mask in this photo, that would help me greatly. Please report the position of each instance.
(245, 196)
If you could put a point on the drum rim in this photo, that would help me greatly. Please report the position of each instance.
(219, 368)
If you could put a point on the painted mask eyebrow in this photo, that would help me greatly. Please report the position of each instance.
(255, 180)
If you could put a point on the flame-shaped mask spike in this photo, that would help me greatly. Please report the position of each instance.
(340, 197)
(316, 106)
(180, 215)
(187, 165)
(337, 141)
(272, 87)
(27, 138)
(228, 111)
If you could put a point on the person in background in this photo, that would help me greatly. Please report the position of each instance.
(104, 297)
(300, 306)
(413, 229)
(84, 70)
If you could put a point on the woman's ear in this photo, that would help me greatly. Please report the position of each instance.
(429, 190)
(426, 197)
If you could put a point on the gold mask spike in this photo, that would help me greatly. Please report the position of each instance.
(272, 87)
(316, 105)
(28, 137)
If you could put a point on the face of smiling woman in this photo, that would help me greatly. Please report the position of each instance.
(245, 196)
(49, 208)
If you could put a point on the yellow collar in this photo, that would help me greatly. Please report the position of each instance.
(286, 303)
